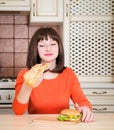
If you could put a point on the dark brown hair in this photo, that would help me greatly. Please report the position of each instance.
(33, 56)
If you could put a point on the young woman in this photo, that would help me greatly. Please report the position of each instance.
(56, 86)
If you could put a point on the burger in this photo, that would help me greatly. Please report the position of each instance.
(70, 115)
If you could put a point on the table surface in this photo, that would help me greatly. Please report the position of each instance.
(104, 121)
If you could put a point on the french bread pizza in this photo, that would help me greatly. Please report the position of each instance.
(31, 76)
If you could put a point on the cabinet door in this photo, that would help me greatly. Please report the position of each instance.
(46, 11)
(88, 39)
(14, 5)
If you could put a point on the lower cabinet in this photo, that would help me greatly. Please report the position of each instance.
(102, 99)
(6, 111)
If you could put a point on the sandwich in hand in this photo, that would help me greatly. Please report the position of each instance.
(31, 77)
(70, 115)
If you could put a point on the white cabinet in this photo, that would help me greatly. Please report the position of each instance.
(88, 40)
(101, 99)
(100, 95)
(45, 11)
(88, 44)
(14, 5)
(6, 111)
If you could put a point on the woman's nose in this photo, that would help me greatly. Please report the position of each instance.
(48, 47)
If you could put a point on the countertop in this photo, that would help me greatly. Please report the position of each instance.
(104, 121)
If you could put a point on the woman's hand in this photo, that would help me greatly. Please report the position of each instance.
(40, 79)
(87, 113)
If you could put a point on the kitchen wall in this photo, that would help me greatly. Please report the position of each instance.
(15, 34)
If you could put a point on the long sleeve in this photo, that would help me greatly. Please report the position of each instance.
(77, 94)
(17, 107)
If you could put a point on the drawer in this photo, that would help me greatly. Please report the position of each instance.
(99, 92)
(103, 108)
(6, 95)
(98, 108)
(6, 111)
(100, 104)
(101, 100)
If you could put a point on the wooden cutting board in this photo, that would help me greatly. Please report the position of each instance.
(51, 119)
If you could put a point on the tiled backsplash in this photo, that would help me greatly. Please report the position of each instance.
(15, 34)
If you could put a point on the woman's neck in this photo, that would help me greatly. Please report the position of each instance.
(50, 65)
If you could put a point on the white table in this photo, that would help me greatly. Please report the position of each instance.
(104, 121)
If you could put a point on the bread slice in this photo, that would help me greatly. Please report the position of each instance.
(31, 76)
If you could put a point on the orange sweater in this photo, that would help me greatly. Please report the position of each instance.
(52, 95)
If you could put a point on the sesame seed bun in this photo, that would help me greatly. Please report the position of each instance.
(70, 112)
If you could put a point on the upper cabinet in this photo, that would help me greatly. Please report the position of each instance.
(14, 5)
(43, 11)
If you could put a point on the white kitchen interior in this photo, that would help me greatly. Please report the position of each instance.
(87, 29)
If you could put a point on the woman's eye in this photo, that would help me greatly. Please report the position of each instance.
(41, 45)
(53, 44)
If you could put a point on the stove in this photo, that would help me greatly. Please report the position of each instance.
(9, 79)
(7, 93)
(7, 82)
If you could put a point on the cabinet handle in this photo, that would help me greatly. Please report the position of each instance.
(100, 109)
(9, 97)
(104, 92)
(67, 10)
(2, 3)
(33, 9)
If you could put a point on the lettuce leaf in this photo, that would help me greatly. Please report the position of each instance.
(67, 118)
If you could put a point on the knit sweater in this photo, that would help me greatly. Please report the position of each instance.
(52, 95)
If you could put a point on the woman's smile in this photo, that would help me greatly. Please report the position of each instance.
(48, 54)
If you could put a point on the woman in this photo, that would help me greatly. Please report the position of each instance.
(56, 86)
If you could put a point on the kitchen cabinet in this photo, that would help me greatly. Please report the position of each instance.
(14, 5)
(6, 111)
(46, 11)
(7, 93)
(101, 96)
(101, 99)
(88, 42)
(88, 39)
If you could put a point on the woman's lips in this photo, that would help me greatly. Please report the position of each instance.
(50, 54)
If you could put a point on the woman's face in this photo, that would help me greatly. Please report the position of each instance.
(48, 50)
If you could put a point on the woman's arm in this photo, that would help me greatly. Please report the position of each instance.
(24, 94)
(81, 103)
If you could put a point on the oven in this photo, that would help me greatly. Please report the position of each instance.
(7, 93)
